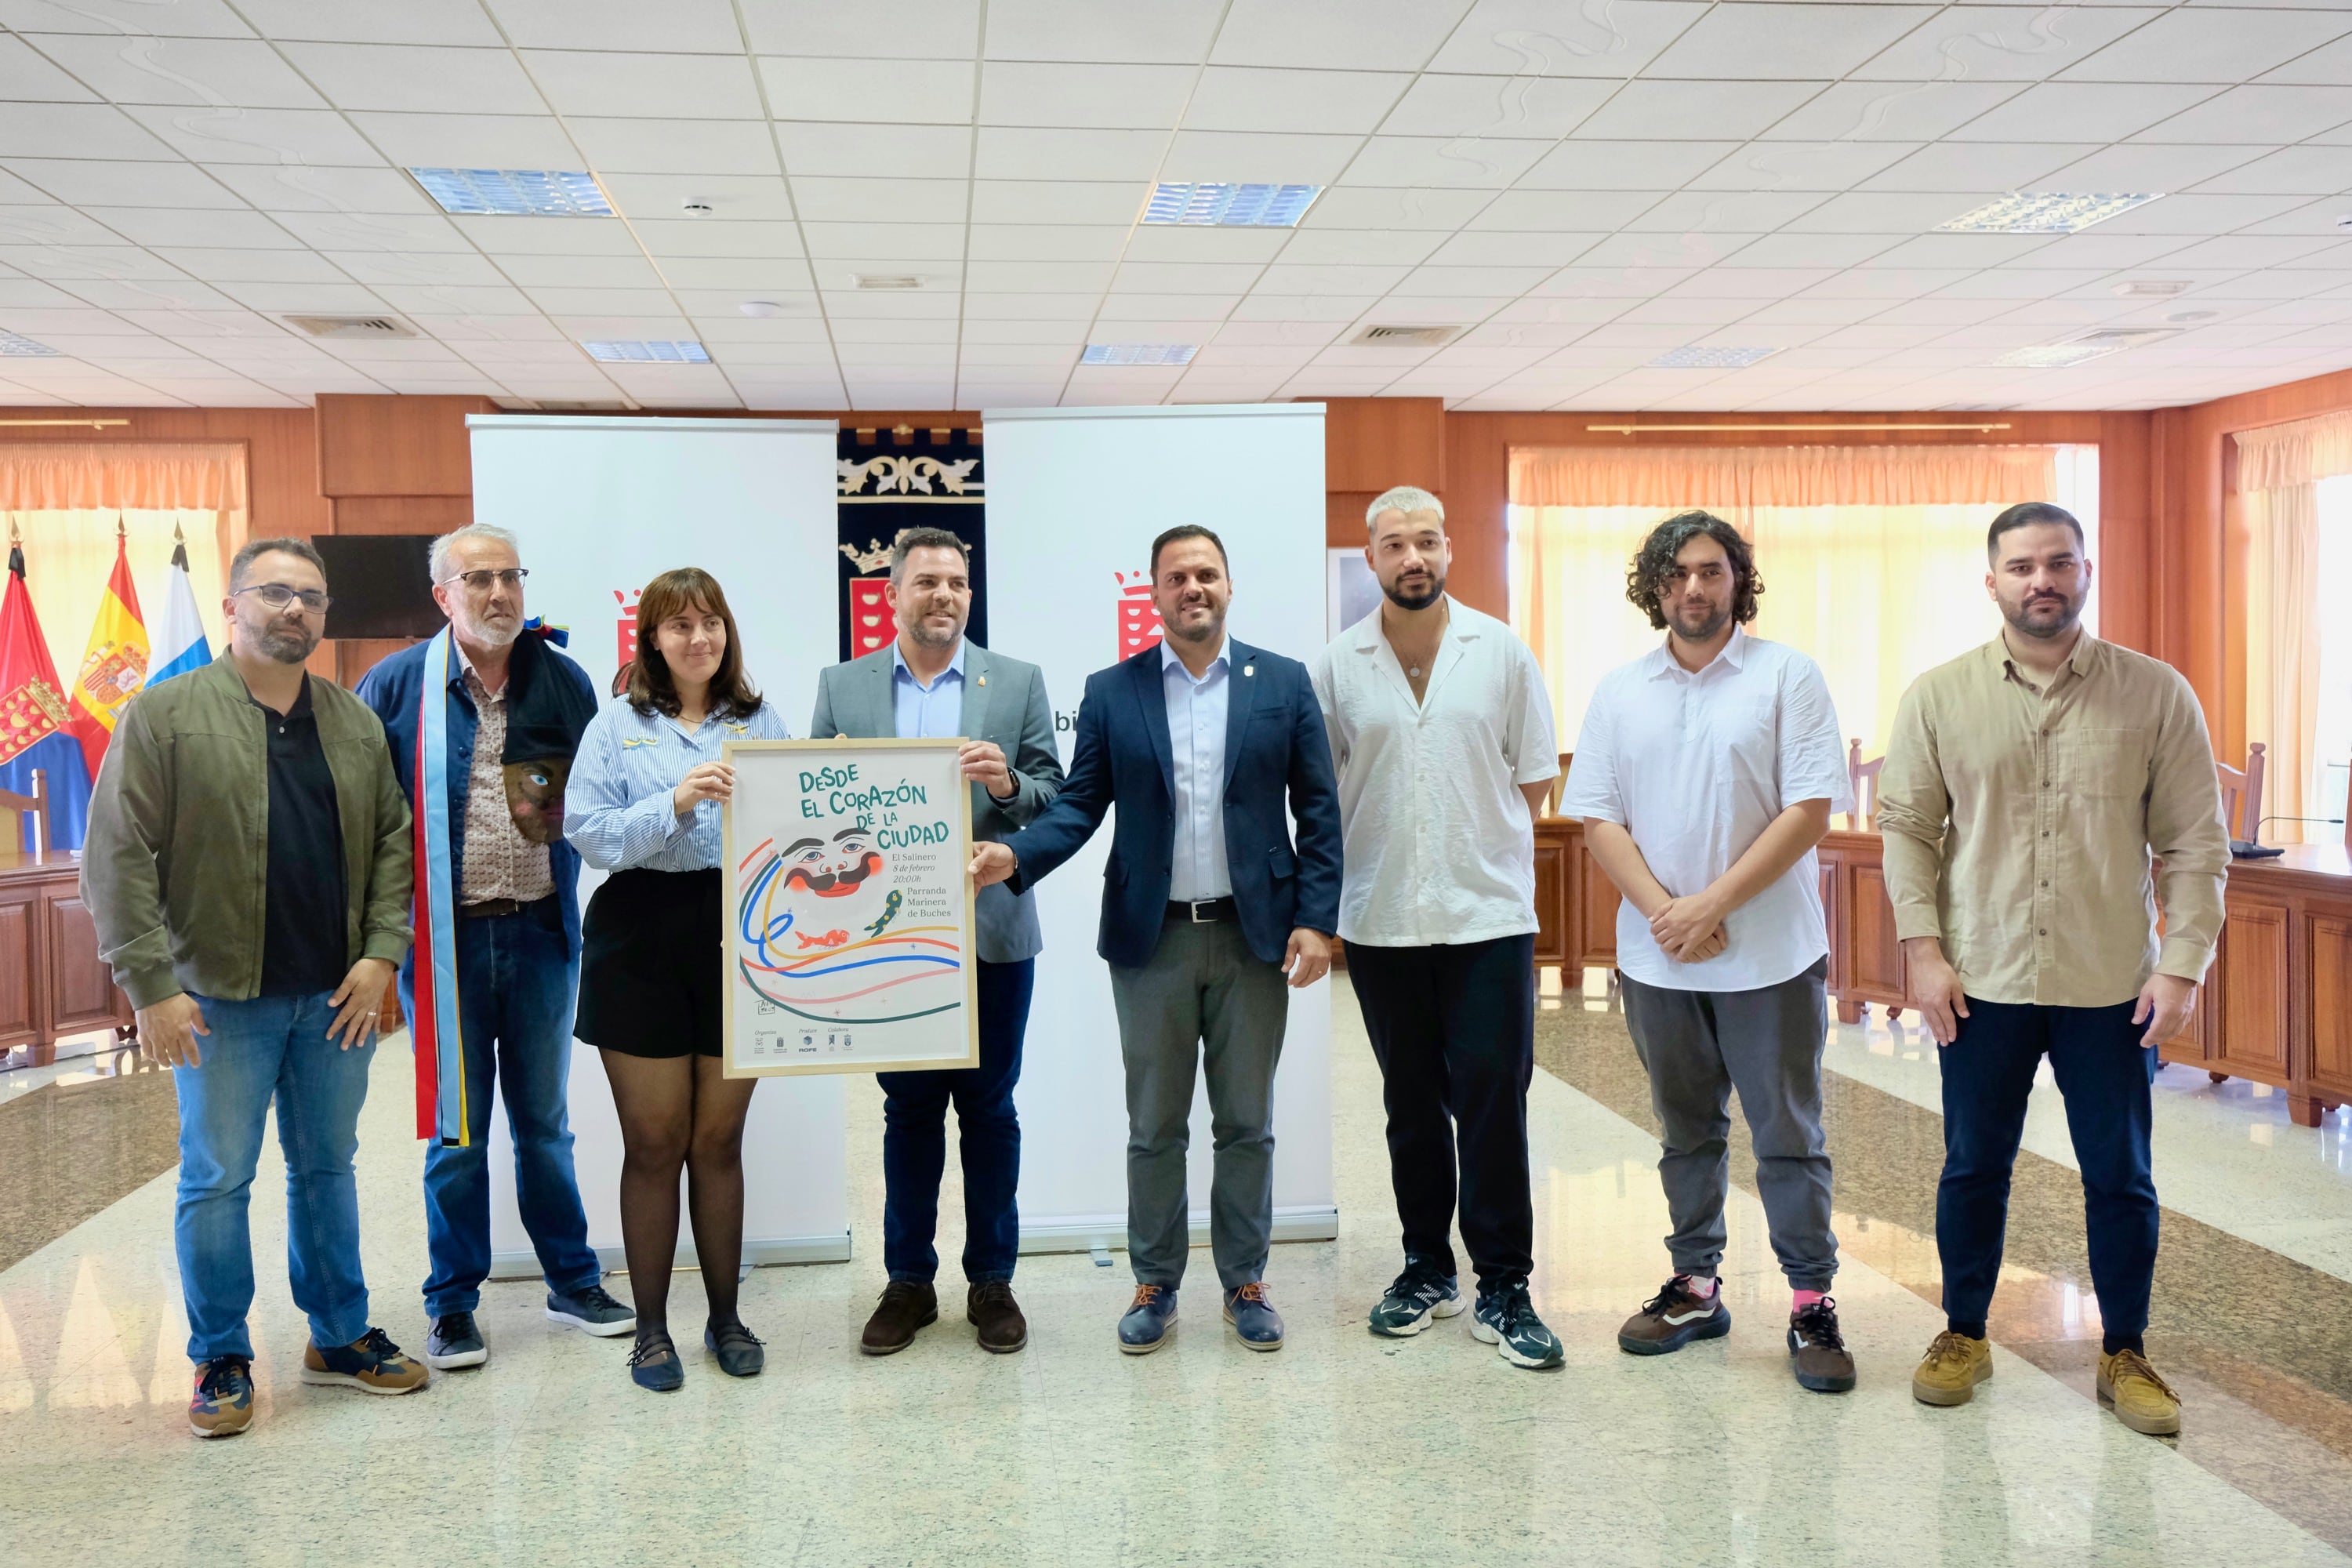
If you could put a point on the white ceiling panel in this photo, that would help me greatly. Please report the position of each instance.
(705, 27)
(730, 197)
(1370, 247)
(1263, 156)
(1502, 249)
(2290, 171)
(419, 267)
(1054, 202)
(912, 241)
(2212, 45)
(464, 140)
(919, 29)
(1543, 108)
(2082, 111)
(1351, 35)
(1016, 152)
(156, 293)
(371, 231)
(680, 87)
(1624, 165)
(183, 19)
(878, 152)
(1168, 31)
(2258, 116)
(195, 226)
(258, 266)
(27, 76)
(450, 22)
(1477, 163)
(243, 72)
(1802, 166)
(2002, 43)
(1246, 98)
(901, 92)
(1695, 110)
(74, 130)
(279, 137)
(1030, 92)
(1187, 243)
(1543, 37)
(713, 236)
(1739, 43)
(417, 79)
(297, 187)
(846, 199)
(94, 182)
(679, 146)
(1395, 207)
(1892, 111)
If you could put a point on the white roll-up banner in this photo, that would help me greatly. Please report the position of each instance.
(602, 506)
(1074, 498)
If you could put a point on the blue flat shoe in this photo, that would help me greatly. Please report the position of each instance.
(654, 1364)
(1150, 1319)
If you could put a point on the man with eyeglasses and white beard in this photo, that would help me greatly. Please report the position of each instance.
(499, 711)
(248, 866)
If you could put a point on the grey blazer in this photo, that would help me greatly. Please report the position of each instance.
(1003, 701)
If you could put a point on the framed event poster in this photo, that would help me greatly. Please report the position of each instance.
(849, 922)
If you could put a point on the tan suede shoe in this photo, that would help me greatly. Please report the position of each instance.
(2142, 1401)
(1948, 1374)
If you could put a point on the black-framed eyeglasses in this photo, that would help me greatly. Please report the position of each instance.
(277, 595)
(479, 582)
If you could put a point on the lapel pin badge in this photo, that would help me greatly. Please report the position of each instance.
(1249, 670)
(984, 681)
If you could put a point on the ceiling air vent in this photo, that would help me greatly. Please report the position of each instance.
(1402, 336)
(889, 279)
(353, 326)
(2122, 337)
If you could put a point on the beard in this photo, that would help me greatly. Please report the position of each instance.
(2044, 615)
(494, 634)
(1430, 586)
(925, 636)
(286, 642)
(1701, 627)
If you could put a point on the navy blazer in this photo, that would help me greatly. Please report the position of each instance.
(1275, 746)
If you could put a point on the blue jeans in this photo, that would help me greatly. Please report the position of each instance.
(516, 978)
(272, 1047)
(2104, 1073)
(915, 1142)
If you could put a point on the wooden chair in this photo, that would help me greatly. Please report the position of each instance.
(1858, 774)
(12, 807)
(2242, 794)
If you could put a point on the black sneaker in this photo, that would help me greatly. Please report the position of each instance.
(1417, 1295)
(1506, 1319)
(454, 1342)
(1817, 1351)
(595, 1309)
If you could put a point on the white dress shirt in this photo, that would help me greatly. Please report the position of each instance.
(1695, 765)
(1439, 844)
(1196, 745)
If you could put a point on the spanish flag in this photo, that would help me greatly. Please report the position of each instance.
(115, 667)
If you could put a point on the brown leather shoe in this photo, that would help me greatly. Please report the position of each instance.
(904, 1307)
(997, 1316)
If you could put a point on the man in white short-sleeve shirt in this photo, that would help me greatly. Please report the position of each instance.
(1707, 772)
(1440, 731)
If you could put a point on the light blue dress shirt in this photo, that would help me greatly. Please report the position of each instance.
(618, 810)
(933, 712)
(1196, 744)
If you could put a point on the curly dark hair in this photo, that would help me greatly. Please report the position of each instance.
(1647, 576)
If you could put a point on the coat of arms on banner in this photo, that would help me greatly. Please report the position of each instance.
(1138, 618)
(896, 478)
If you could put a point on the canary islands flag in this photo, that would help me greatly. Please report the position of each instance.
(33, 720)
(114, 667)
(181, 647)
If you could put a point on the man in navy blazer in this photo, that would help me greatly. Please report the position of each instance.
(1207, 906)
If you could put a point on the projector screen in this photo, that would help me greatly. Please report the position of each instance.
(603, 506)
(1074, 498)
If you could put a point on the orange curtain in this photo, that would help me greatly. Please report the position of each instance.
(1737, 478)
(127, 476)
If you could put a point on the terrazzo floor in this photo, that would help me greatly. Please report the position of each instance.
(1342, 1448)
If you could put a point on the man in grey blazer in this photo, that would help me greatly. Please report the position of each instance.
(933, 683)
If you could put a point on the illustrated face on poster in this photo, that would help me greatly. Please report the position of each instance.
(851, 914)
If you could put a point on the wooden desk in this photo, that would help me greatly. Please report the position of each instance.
(2276, 1007)
(52, 982)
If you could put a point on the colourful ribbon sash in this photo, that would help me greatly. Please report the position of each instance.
(434, 1031)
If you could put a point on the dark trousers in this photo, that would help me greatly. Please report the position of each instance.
(2104, 1073)
(915, 1142)
(1453, 1027)
(1767, 1043)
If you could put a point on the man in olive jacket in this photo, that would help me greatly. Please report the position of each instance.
(248, 867)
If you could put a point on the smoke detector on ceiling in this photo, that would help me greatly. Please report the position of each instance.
(1390, 337)
(353, 326)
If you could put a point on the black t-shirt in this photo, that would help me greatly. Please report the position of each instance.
(303, 948)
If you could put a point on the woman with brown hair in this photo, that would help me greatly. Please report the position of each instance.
(643, 805)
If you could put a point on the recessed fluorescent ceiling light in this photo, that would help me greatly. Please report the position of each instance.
(16, 346)
(684, 352)
(1229, 205)
(555, 192)
(1138, 354)
(2089, 346)
(2044, 211)
(1709, 359)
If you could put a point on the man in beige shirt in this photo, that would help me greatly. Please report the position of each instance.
(2027, 784)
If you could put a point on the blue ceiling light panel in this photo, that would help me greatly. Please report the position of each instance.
(520, 193)
(1211, 205)
(614, 350)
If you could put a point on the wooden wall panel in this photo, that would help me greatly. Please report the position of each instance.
(20, 970)
(1372, 443)
(396, 446)
(2330, 1004)
(281, 452)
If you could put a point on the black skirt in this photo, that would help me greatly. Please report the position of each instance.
(652, 964)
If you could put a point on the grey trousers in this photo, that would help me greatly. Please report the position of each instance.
(1204, 1003)
(1698, 1047)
